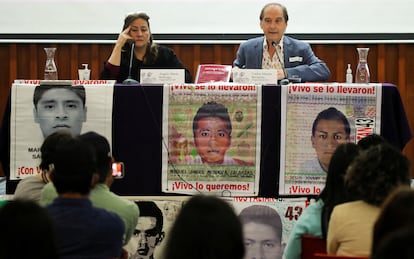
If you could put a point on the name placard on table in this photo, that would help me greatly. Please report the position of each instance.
(255, 76)
(162, 76)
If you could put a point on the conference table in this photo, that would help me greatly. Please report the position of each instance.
(137, 136)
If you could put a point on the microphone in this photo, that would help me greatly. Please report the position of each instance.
(129, 80)
(278, 58)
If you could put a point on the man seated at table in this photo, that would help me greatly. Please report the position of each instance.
(292, 58)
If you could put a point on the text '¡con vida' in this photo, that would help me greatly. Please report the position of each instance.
(25, 170)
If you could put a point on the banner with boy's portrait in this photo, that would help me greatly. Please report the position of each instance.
(211, 138)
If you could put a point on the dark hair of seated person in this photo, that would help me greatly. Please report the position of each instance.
(334, 192)
(398, 244)
(371, 140)
(102, 151)
(70, 177)
(206, 228)
(376, 172)
(26, 231)
(397, 212)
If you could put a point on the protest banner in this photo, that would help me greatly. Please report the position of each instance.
(316, 118)
(40, 108)
(212, 134)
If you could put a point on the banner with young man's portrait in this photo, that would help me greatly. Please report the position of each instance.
(267, 219)
(39, 109)
(316, 118)
(211, 138)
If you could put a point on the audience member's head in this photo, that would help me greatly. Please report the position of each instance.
(334, 192)
(26, 231)
(48, 148)
(102, 153)
(376, 172)
(371, 140)
(397, 213)
(397, 244)
(30, 189)
(206, 228)
(75, 167)
(262, 231)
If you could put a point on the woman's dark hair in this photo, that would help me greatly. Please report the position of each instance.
(397, 213)
(376, 172)
(206, 228)
(26, 231)
(397, 244)
(151, 53)
(371, 140)
(334, 192)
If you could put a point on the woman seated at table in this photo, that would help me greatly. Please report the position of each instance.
(147, 54)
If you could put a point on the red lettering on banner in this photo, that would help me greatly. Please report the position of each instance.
(227, 187)
(363, 132)
(262, 199)
(182, 186)
(299, 189)
(318, 89)
(89, 82)
(299, 89)
(356, 90)
(25, 170)
(237, 87)
(184, 87)
(35, 82)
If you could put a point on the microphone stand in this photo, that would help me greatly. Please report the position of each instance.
(129, 80)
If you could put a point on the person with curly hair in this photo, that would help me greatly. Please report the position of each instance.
(370, 178)
(397, 215)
